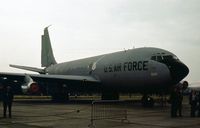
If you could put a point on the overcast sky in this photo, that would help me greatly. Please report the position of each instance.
(83, 28)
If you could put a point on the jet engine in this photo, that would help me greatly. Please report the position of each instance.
(29, 86)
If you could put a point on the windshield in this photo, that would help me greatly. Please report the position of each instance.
(169, 57)
(160, 58)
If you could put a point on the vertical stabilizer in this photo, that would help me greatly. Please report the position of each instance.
(47, 57)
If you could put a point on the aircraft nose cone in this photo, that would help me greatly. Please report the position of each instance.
(178, 71)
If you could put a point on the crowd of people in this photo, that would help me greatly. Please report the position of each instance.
(176, 99)
(194, 100)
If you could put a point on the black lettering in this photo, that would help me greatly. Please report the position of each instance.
(125, 66)
(105, 69)
(140, 65)
(134, 65)
(129, 66)
(117, 68)
(110, 69)
(145, 65)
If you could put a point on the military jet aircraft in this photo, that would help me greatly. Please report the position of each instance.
(141, 70)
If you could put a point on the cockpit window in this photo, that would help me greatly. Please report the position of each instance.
(153, 58)
(168, 57)
(159, 58)
(176, 58)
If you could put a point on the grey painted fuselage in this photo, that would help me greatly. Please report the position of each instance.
(145, 69)
(130, 70)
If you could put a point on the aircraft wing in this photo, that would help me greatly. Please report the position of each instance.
(52, 83)
(40, 77)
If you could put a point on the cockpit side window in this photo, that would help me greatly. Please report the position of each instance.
(164, 58)
(168, 57)
(159, 58)
(175, 57)
(153, 58)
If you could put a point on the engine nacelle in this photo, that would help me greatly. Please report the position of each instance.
(30, 87)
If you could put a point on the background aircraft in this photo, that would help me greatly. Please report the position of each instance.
(143, 70)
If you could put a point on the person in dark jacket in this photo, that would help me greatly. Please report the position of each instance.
(1, 91)
(7, 98)
(174, 102)
(180, 100)
(198, 103)
(193, 102)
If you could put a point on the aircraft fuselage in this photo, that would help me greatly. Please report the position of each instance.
(131, 70)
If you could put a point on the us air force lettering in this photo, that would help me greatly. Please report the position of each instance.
(143, 70)
(127, 66)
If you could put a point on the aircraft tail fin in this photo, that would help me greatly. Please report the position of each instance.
(41, 71)
(47, 57)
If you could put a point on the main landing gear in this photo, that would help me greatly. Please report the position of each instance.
(59, 93)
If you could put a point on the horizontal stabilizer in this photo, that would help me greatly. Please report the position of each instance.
(41, 71)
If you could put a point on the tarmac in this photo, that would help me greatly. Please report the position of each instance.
(75, 114)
